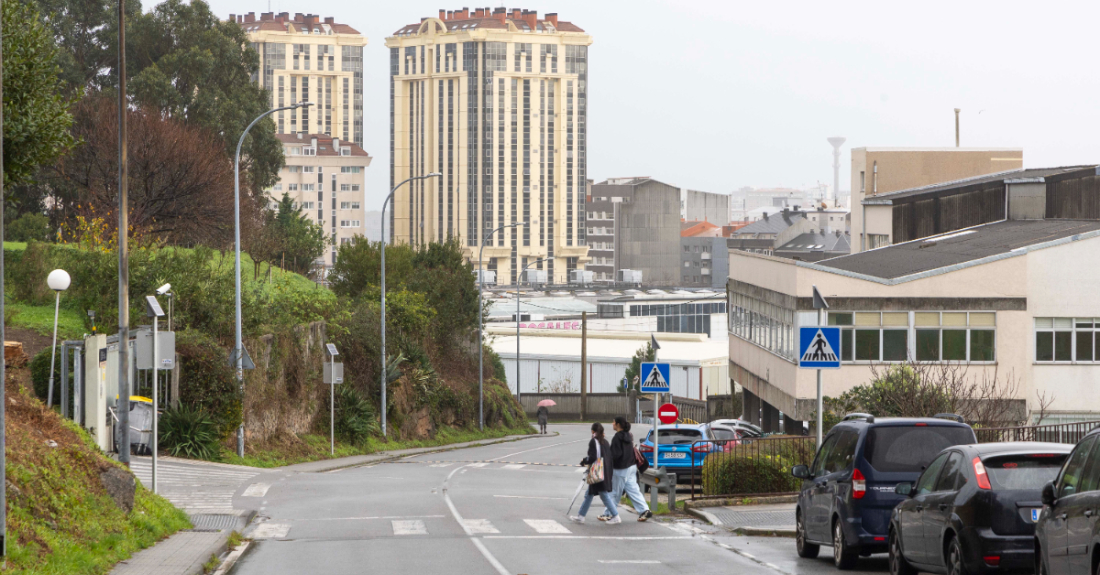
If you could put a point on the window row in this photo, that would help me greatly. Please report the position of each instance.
(349, 223)
(927, 336)
(1067, 340)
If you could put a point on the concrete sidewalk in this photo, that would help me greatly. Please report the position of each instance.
(220, 498)
(769, 519)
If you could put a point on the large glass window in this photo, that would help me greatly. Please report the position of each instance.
(936, 336)
(1068, 340)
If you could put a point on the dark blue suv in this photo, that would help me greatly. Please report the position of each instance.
(848, 493)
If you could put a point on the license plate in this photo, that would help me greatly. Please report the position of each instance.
(1035, 514)
(675, 456)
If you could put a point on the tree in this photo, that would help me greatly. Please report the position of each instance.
(28, 227)
(297, 241)
(86, 34)
(180, 184)
(633, 373)
(36, 116)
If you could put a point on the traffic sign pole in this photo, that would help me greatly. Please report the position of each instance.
(820, 400)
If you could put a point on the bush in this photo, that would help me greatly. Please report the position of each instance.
(210, 385)
(762, 466)
(355, 416)
(40, 376)
(28, 227)
(187, 432)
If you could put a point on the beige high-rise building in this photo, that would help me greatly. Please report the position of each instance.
(495, 100)
(305, 59)
(878, 171)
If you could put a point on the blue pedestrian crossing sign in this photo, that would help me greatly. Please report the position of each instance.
(819, 347)
(655, 377)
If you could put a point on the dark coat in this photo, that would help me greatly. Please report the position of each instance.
(543, 414)
(622, 450)
(605, 451)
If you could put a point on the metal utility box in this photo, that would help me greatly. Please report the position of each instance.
(536, 276)
(488, 277)
(581, 277)
(96, 418)
(166, 349)
(629, 276)
(333, 367)
(112, 369)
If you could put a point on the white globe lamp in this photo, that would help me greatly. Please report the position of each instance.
(59, 281)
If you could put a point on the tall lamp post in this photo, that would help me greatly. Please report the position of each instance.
(519, 390)
(480, 322)
(238, 350)
(383, 244)
(59, 281)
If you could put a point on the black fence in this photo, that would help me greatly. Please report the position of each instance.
(1056, 433)
(750, 467)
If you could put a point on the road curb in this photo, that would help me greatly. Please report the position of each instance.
(763, 532)
(727, 502)
(703, 515)
(428, 451)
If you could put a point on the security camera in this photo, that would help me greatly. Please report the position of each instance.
(164, 289)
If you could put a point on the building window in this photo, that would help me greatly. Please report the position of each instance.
(292, 187)
(1067, 340)
(349, 169)
(936, 336)
(307, 187)
(349, 223)
(309, 169)
(309, 151)
(349, 205)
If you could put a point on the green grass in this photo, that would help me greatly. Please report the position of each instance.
(662, 506)
(316, 447)
(15, 246)
(70, 323)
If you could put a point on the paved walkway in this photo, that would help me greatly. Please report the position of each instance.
(778, 516)
(182, 553)
(196, 487)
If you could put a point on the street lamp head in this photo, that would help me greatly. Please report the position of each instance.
(164, 289)
(435, 175)
(58, 280)
(303, 104)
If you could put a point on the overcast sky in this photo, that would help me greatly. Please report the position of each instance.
(719, 95)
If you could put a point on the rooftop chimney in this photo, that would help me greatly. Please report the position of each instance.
(500, 14)
(553, 18)
(532, 17)
(442, 14)
(313, 143)
(516, 15)
(284, 15)
(232, 17)
(335, 143)
(251, 17)
(298, 17)
(330, 20)
(299, 134)
(479, 13)
(266, 16)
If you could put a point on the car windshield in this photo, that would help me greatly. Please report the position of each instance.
(720, 433)
(677, 436)
(1030, 471)
(911, 449)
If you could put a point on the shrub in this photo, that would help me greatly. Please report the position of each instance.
(40, 376)
(762, 466)
(355, 416)
(210, 385)
(28, 227)
(187, 432)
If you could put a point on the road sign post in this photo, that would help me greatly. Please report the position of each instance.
(819, 348)
(655, 378)
(668, 414)
(332, 378)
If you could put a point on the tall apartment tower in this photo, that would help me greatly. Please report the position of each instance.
(495, 100)
(305, 59)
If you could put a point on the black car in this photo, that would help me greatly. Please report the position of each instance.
(974, 509)
(1067, 536)
(848, 493)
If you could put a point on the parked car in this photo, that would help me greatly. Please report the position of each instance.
(726, 437)
(747, 429)
(679, 448)
(848, 492)
(1067, 533)
(973, 510)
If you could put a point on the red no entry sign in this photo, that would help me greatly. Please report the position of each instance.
(668, 413)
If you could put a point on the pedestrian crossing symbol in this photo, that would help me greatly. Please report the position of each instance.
(819, 347)
(655, 377)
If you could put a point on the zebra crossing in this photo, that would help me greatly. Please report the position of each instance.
(484, 462)
(409, 527)
(196, 487)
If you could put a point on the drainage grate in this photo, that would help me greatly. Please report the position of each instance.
(201, 530)
(215, 522)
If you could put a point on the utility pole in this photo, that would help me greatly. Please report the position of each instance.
(584, 365)
(957, 110)
(123, 403)
(3, 375)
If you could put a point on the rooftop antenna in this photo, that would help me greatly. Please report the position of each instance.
(957, 110)
(836, 141)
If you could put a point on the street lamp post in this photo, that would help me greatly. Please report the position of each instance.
(519, 390)
(239, 345)
(59, 281)
(480, 321)
(383, 249)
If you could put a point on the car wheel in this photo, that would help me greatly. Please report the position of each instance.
(954, 561)
(898, 564)
(844, 557)
(807, 550)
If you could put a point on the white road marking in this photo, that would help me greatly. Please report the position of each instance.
(514, 466)
(441, 465)
(776, 567)
(529, 497)
(415, 527)
(747, 555)
(607, 537)
(256, 490)
(374, 517)
(630, 561)
(546, 526)
(271, 531)
(477, 464)
(480, 526)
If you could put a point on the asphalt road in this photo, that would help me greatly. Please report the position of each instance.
(493, 510)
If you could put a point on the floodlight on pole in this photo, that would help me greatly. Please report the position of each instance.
(239, 344)
(59, 281)
(382, 244)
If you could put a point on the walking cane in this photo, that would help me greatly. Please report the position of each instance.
(579, 487)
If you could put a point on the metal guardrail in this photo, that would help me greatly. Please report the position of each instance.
(744, 467)
(1056, 433)
(658, 480)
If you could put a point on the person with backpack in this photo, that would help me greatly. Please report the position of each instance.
(598, 477)
(625, 460)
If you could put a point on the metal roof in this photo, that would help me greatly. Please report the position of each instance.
(957, 247)
(812, 242)
(1028, 174)
(772, 224)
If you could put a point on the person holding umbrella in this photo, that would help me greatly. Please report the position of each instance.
(543, 413)
(598, 477)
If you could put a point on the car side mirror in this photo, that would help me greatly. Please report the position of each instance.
(1048, 494)
(905, 489)
(800, 471)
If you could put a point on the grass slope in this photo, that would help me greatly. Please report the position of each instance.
(61, 520)
(39, 318)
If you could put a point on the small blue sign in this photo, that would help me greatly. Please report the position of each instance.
(819, 347)
(655, 377)
(1035, 512)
